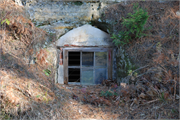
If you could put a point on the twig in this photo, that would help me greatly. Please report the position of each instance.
(173, 29)
(129, 76)
(151, 86)
(150, 102)
(12, 54)
(24, 92)
(142, 74)
(174, 90)
(131, 104)
(140, 68)
(154, 14)
(163, 69)
(15, 35)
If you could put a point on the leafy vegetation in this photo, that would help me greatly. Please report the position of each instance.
(108, 93)
(5, 21)
(47, 72)
(133, 26)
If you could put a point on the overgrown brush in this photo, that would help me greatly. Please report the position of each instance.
(132, 26)
(164, 34)
(20, 41)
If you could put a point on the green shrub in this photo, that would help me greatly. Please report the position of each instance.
(47, 72)
(108, 93)
(133, 26)
(162, 97)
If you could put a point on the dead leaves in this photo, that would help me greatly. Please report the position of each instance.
(42, 56)
(142, 95)
(109, 83)
(92, 95)
(17, 92)
(96, 100)
(20, 25)
(167, 57)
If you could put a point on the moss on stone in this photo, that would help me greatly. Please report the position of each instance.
(78, 3)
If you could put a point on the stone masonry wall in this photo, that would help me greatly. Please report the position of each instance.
(60, 17)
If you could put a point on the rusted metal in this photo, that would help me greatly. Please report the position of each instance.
(60, 62)
(66, 45)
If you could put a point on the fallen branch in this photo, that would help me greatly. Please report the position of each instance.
(150, 102)
(6, 51)
(174, 90)
(173, 29)
(140, 68)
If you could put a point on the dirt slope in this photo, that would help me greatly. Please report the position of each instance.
(26, 92)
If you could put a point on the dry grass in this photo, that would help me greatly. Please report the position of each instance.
(159, 50)
(164, 25)
(22, 86)
(27, 93)
(17, 92)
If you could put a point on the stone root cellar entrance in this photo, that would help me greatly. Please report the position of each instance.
(85, 56)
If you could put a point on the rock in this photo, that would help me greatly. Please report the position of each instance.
(123, 85)
(51, 12)
(163, 1)
(18, 2)
(178, 13)
(142, 95)
(136, 101)
(57, 16)
(59, 28)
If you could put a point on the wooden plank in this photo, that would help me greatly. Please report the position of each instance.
(86, 49)
(61, 74)
(113, 65)
(112, 54)
(78, 83)
(82, 0)
(80, 67)
(94, 69)
(107, 72)
(74, 67)
(65, 64)
(110, 64)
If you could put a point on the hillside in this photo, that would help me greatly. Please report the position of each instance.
(28, 90)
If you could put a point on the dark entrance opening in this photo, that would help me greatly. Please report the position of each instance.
(74, 74)
(74, 59)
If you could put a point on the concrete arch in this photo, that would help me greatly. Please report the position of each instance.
(85, 35)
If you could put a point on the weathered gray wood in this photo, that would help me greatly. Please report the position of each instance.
(94, 69)
(74, 67)
(65, 64)
(61, 74)
(110, 62)
(89, 49)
